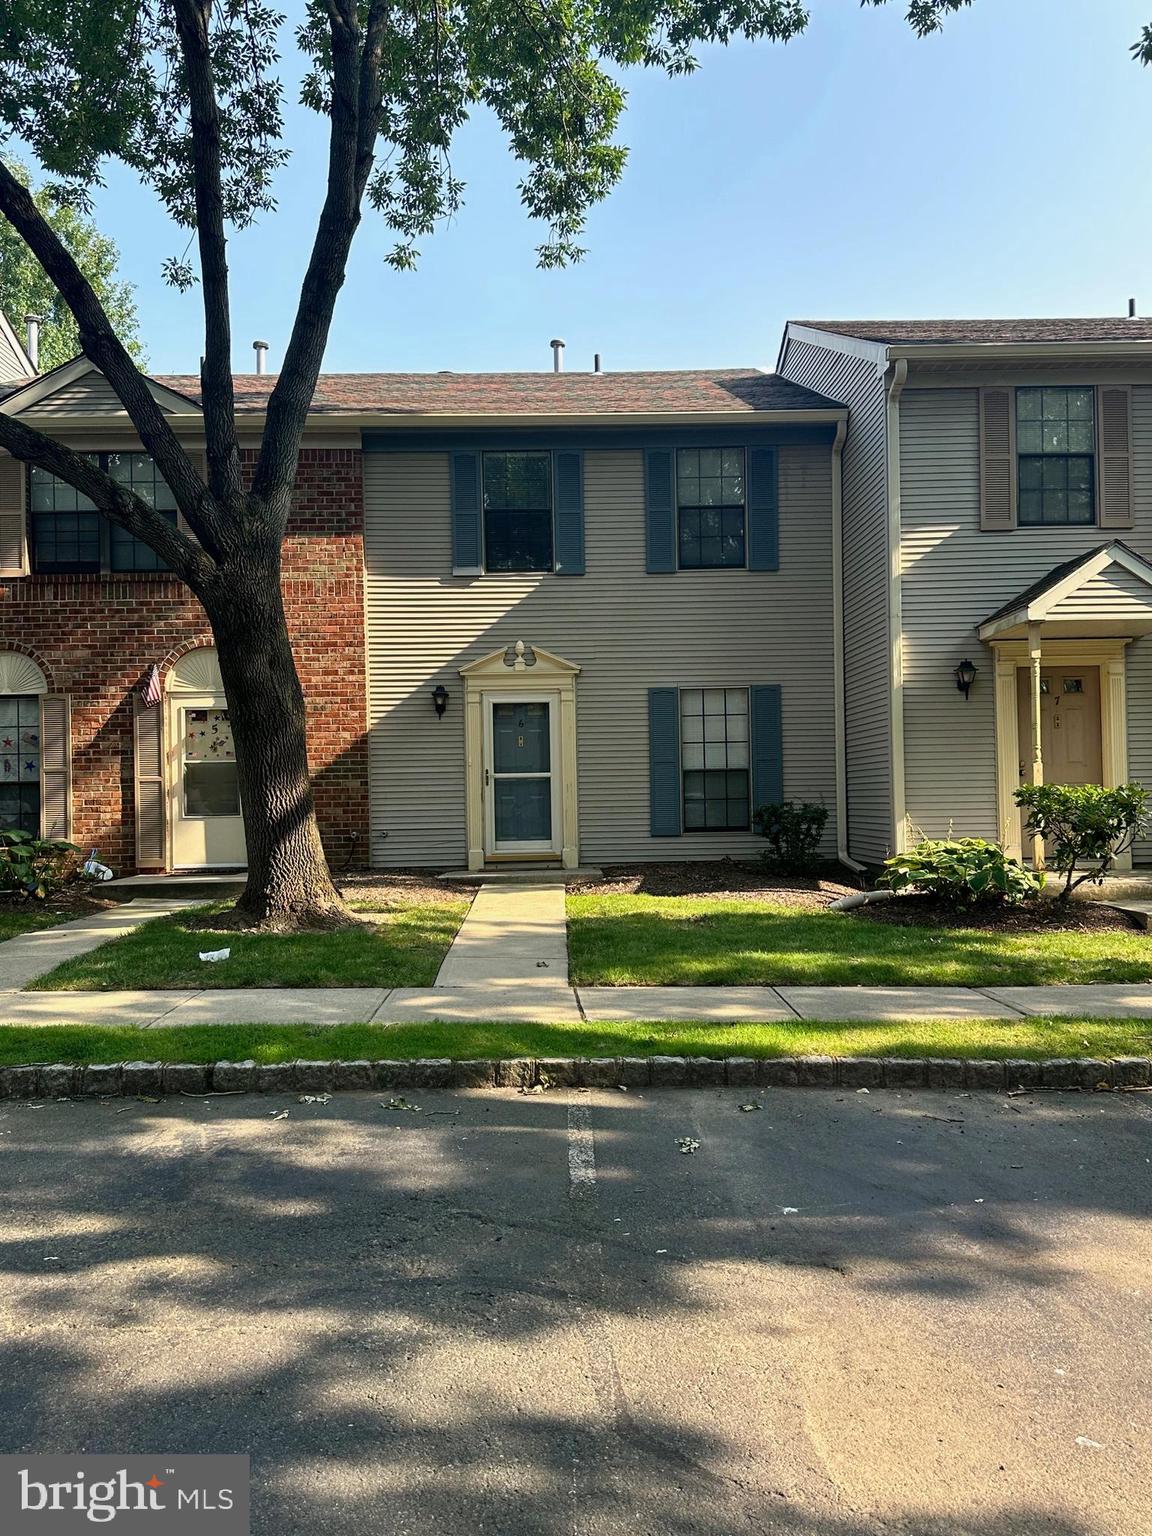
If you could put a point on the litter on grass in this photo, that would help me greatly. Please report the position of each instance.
(687, 1144)
(745, 1108)
(314, 1098)
(278, 1114)
(212, 955)
(400, 1103)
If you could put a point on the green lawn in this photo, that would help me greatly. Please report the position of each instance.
(403, 949)
(981, 1039)
(690, 940)
(30, 917)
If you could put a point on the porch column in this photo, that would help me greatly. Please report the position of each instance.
(1034, 656)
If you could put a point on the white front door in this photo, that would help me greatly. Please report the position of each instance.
(204, 794)
(522, 813)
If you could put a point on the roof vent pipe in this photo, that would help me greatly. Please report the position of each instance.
(261, 350)
(596, 363)
(32, 325)
(1131, 309)
(557, 355)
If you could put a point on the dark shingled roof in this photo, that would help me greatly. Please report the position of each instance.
(936, 332)
(725, 391)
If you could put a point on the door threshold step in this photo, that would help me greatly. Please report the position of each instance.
(211, 886)
(524, 874)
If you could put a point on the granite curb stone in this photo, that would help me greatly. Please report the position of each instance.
(100, 1079)
(141, 1076)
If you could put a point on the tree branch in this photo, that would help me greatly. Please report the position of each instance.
(356, 104)
(104, 348)
(191, 563)
(217, 395)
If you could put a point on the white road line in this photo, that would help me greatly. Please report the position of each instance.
(581, 1151)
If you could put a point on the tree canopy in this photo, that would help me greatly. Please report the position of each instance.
(26, 289)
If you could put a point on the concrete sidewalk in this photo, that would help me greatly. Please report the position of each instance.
(498, 1003)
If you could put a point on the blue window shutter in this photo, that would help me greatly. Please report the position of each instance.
(568, 468)
(660, 509)
(763, 511)
(767, 745)
(467, 543)
(664, 761)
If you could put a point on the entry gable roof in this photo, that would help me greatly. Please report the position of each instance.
(1109, 587)
(80, 374)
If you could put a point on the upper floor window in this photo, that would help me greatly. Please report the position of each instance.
(1056, 453)
(70, 536)
(517, 511)
(710, 507)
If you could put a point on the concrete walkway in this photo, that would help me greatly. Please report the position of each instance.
(30, 955)
(514, 935)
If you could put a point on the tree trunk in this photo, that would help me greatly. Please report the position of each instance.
(289, 884)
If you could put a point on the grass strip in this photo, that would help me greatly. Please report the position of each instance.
(1031, 1039)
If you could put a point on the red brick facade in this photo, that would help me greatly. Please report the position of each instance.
(95, 637)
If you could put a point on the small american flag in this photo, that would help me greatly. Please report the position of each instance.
(150, 690)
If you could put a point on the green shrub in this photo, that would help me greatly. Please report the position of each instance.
(793, 829)
(962, 872)
(1085, 827)
(35, 866)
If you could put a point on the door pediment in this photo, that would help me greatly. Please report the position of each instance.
(521, 661)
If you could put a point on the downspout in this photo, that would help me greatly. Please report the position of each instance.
(895, 615)
(841, 701)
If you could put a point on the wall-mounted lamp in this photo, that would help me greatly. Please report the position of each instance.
(965, 675)
(440, 698)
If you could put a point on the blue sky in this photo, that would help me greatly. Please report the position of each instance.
(999, 168)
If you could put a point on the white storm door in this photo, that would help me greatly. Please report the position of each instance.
(207, 827)
(521, 774)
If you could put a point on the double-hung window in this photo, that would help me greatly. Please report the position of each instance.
(714, 757)
(1056, 455)
(69, 536)
(710, 502)
(517, 511)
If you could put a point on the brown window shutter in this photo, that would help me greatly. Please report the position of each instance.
(13, 520)
(1114, 456)
(997, 460)
(55, 766)
(148, 773)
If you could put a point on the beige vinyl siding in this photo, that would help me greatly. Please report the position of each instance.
(627, 630)
(954, 576)
(1115, 593)
(856, 382)
(12, 366)
(89, 395)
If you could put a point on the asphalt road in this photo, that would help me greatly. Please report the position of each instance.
(527, 1316)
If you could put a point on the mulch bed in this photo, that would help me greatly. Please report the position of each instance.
(400, 887)
(724, 879)
(73, 901)
(1045, 917)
